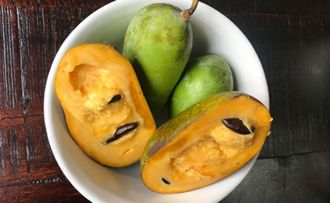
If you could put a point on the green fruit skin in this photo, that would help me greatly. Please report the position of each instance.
(158, 43)
(165, 133)
(208, 75)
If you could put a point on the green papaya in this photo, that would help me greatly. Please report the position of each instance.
(158, 43)
(208, 75)
(205, 143)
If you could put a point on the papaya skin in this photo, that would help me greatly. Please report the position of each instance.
(207, 76)
(99, 94)
(158, 43)
(194, 149)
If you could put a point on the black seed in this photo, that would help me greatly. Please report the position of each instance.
(166, 181)
(115, 98)
(236, 125)
(121, 131)
(252, 129)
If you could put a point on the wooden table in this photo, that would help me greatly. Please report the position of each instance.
(292, 39)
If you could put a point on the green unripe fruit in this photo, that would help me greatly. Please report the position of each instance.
(158, 43)
(207, 76)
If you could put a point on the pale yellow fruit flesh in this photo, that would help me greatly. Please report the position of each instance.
(88, 78)
(207, 151)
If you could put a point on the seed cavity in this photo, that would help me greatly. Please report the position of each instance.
(121, 131)
(166, 181)
(237, 125)
(115, 98)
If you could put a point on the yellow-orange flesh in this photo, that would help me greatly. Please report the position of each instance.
(88, 77)
(207, 151)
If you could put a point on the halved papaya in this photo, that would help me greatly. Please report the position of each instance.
(105, 110)
(205, 143)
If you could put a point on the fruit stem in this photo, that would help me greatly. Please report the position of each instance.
(187, 13)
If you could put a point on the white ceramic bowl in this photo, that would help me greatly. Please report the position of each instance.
(213, 33)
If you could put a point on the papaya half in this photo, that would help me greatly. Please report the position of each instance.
(105, 109)
(205, 143)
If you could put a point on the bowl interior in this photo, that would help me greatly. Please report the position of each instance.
(213, 33)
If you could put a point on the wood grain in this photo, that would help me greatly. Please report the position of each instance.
(295, 53)
(303, 178)
(291, 38)
(28, 50)
(277, 7)
(52, 189)
(56, 4)
(29, 39)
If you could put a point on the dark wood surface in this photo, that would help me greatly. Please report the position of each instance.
(292, 39)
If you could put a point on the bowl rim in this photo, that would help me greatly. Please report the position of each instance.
(81, 188)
